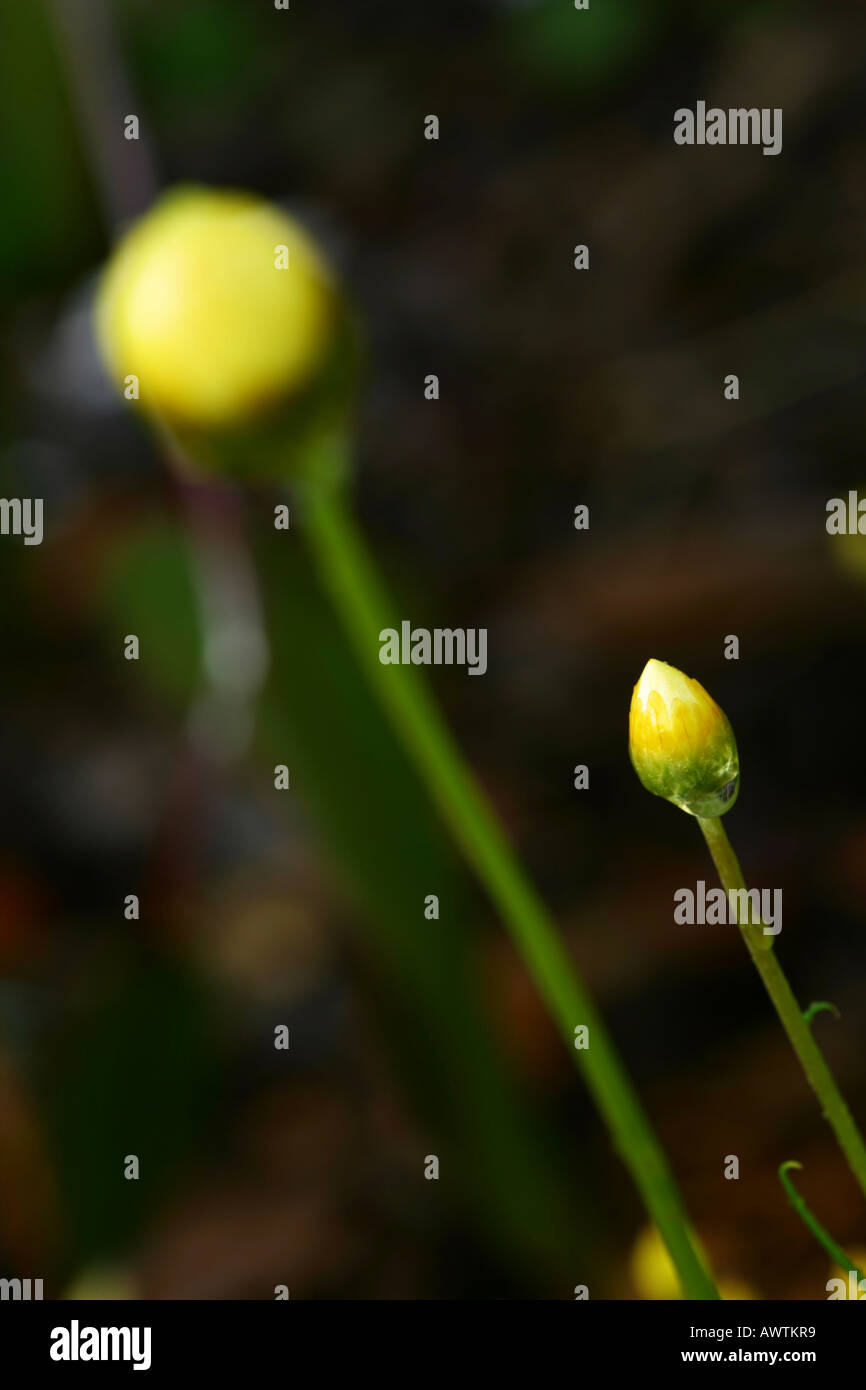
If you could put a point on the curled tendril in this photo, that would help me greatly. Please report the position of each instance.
(821, 1006)
(811, 1222)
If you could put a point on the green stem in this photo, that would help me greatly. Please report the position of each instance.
(362, 602)
(811, 1058)
(823, 1237)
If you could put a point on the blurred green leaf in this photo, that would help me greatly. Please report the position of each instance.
(131, 1074)
(204, 51)
(148, 590)
(318, 716)
(565, 47)
(50, 224)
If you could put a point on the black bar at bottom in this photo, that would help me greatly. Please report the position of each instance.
(162, 1339)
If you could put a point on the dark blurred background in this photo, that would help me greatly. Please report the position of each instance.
(154, 1037)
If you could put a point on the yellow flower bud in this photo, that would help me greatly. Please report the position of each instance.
(850, 1284)
(221, 310)
(194, 305)
(654, 1277)
(681, 744)
(651, 1267)
(99, 1282)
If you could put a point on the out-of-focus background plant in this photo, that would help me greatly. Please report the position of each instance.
(409, 1037)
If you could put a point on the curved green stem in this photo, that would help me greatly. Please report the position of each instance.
(820, 1006)
(811, 1059)
(823, 1237)
(362, 602)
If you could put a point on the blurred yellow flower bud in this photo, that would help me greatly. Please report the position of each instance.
(220, 310)
(849, 1284)
(736, 1291)
(654, 1277)
(98, 1282)
(681, 744)
(651, 1267)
